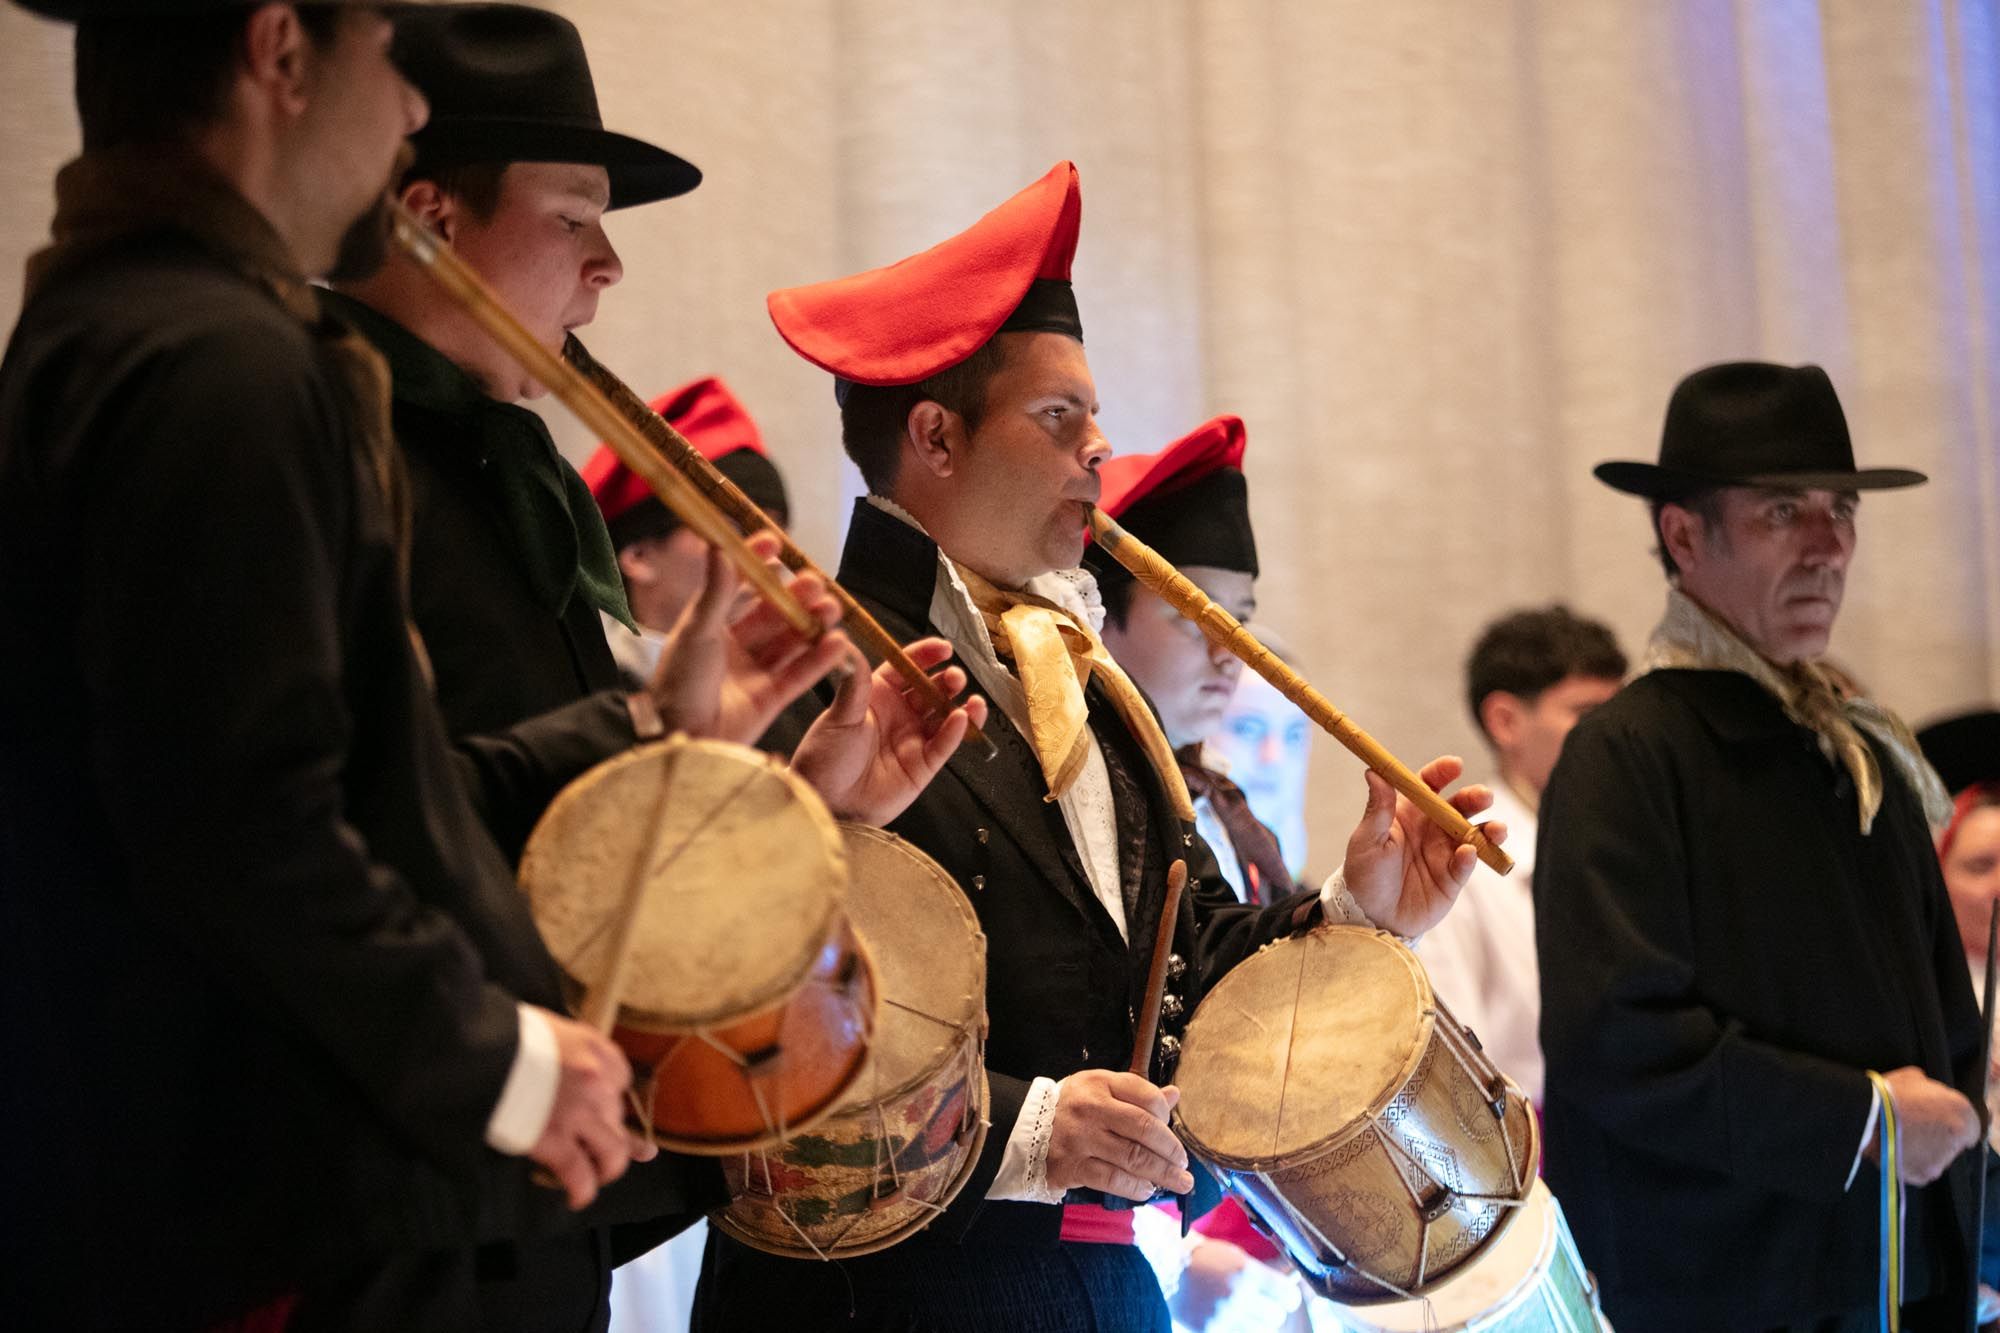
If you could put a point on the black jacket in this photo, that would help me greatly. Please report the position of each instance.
(529, 693)
(1722, 956)
(1062, 985)
(260, 959)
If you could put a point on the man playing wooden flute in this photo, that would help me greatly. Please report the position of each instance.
(274, 1005)
(967, 402)
(511, 564)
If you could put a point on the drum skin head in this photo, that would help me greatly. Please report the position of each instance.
(930, 959)
(744, 871)
(1297, 1044)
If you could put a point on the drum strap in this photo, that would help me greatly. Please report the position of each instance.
(1892, 1208)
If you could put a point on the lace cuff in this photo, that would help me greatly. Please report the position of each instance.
(1024, 1164)
(1338, 904)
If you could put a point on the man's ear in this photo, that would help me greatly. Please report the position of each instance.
(933, 435)
(434, 208)
(1501, 713)
(635, 563)
(277, 55)
(1682, 533)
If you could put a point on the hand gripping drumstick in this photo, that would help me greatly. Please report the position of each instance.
(727, 496)
(457, 280)
(1224, 630)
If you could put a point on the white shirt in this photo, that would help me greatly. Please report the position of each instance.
(1481, 957)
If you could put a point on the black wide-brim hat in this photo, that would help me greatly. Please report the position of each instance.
(510, 83)
(1751, 423)
(71, 11)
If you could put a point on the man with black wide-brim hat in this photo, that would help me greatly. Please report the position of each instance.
(511, 564)
(268, 982)
(1747, 956)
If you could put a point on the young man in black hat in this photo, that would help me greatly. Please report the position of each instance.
(1745, 945)
(280, 1032)
(511, 563)
(968, 403)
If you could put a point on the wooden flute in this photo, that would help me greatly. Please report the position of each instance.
(458, 281)
(728, 497)
(1227, 632)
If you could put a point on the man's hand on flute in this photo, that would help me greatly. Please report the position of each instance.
(1403, 870)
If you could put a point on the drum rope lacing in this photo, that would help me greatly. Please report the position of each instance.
(972, 1058)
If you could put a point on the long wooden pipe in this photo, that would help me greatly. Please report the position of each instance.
(1227, 632)
(458, 281)
(727, 496)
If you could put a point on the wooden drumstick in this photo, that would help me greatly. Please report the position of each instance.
(727, 496)
(1156, 974)
(458, 281)
(1227, 632)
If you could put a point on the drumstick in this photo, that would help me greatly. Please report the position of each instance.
(1227, 632)
(1156, 974)
(457, 280)
(727, 496)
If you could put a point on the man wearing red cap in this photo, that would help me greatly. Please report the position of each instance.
(968, 404)
(663, 562)
(1190, 503)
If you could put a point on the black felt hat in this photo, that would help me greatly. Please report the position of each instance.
(1964, 749)
(509, 83)
(1750, 423)
(70, 11)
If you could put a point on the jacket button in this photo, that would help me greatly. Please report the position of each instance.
(1086, 1055)
(982, 835)
(979, 881)
(1176, 967)
(1171, 1006)
(1170, 1048)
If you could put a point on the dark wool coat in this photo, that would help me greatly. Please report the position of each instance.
(532, 698)
(260, 958)
(1723, 955)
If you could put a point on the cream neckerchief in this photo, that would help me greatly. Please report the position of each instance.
(1688, 636)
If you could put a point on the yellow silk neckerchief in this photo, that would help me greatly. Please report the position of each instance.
(1055, 655)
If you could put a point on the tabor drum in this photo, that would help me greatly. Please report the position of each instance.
(1529, 1280)
(1355, 1118)
(748, 1002)
(900, 1145)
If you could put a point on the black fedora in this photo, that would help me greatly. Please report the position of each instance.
(1750, 423)
(72, 11)
(509, 83)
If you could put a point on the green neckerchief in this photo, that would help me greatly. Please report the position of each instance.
(556, 530)
(1690, 637)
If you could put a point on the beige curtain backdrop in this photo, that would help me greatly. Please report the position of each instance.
(1441, 255)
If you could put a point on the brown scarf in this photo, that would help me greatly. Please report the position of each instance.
(1056, 656)
(1266, 876)
(1813, 697)
(107, 197)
